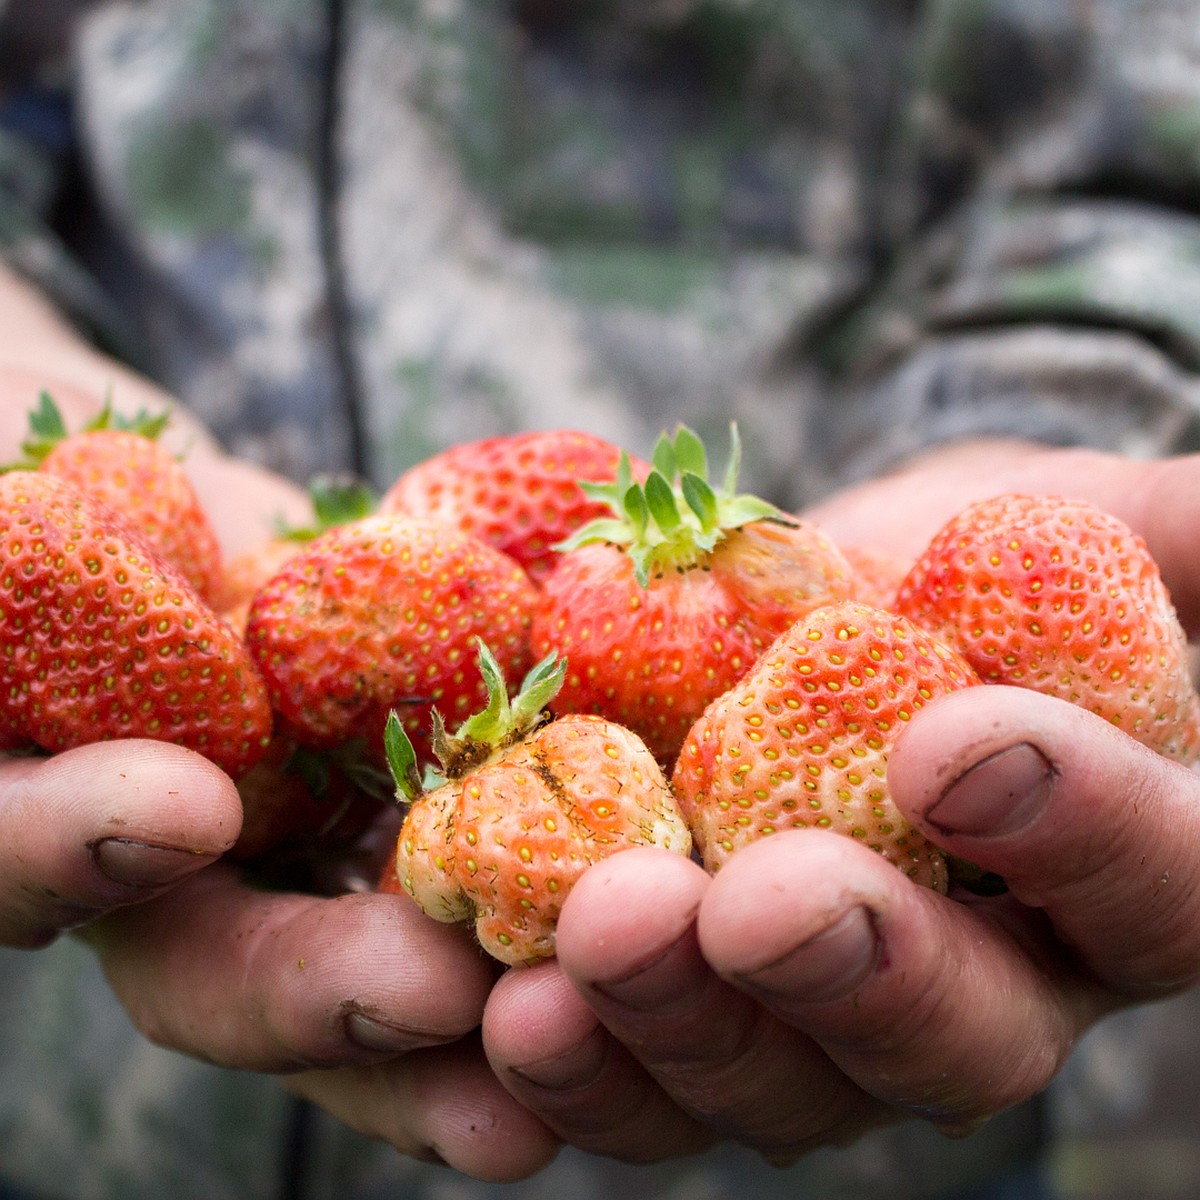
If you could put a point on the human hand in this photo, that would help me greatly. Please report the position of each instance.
(105, 825)
(111, 824)
(809, 992)
(208, 965)
(366, 1005)
(899, 513)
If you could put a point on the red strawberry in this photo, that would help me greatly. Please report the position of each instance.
(664, 605)
(336, 500)
(383, 613)
(526, 808)
(803, 740)
(1055, 595)
(103, 639)
(519, 493)
(120, 461)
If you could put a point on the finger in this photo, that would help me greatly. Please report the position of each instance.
(627, 939)
(1078, 818)
(437, 1105)
(550, 1050)
(245, 503)
(925, 1004)
(103, 826)
(1161, 500)
(277, 982)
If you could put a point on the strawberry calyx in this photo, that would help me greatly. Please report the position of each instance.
(485, 735)
(47, 429)
(676, 518)
(315, 768)
(337, 498)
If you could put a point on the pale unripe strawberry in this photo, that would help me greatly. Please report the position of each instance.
(803, 740)
(527, 808)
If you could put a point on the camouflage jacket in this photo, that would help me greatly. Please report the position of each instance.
(350, 232)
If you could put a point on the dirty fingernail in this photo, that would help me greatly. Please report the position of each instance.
(827, 966)
(576, 1068)
(996, 796)
(669, 979)
(142, 864)
(370, 1033)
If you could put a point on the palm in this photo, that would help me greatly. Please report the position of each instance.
(899, 513)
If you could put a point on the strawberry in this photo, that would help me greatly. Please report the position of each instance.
(336, 500)
(104, 639)
(524, 810)
(382, 613)
(803, 740)
(120, 461)
(669, 601)
(519, 493)
(1056, 595)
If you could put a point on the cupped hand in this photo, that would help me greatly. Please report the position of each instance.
(364, 1005)
(809, 992)
(367, 1006)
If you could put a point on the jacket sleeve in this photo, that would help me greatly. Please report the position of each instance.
(1041, 264)
(38, 165)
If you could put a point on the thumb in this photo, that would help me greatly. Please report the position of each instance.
(102, 826)
(1079, 819)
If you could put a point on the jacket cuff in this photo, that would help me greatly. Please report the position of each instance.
(1107, 389)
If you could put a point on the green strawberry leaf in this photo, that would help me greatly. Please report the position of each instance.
(47, 428)
(601, 530)
(495, 720)
(538, 688)
(312, 766)
(143, 422)
(500, 723)
(701, 499)
(742, 510)
(676, 519)
(733, 468)
(401, 760)
(690, 456)
(337, 498)
(46, 422)
(352, 759)
(637, 510)
(660, 499)
(663, 457)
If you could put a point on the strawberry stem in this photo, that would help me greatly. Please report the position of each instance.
(47, 428)
(337, 498)
(499, 724)
(676, 518)
(402, 760)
